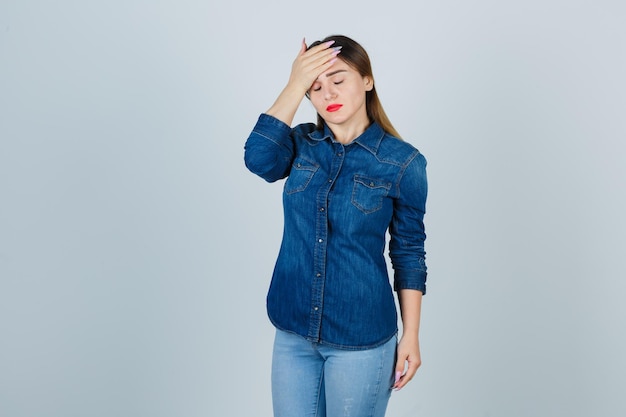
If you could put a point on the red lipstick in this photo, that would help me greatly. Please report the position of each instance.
(333, 107)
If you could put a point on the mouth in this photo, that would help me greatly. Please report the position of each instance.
(333, 107)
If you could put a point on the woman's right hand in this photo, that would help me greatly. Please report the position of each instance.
(310, 64)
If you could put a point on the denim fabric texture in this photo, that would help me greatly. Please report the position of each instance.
(312, 380)
(330, 282)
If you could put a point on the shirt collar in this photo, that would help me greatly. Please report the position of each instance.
(370, 139)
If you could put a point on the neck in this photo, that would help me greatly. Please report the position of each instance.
(346, 132)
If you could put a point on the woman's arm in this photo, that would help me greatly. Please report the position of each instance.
(409, 358)
(406, 250)
(305, 69)
(269, 148)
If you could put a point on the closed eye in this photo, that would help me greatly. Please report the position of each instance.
(338, 82)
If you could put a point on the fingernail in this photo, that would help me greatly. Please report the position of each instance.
(332, 61)
(335, 53)
(337, 48)
(398, 375)
(329, 43)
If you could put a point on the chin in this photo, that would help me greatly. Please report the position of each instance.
(335, 118)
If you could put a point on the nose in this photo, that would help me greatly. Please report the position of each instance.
(330, 92)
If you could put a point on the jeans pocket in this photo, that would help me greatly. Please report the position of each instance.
(301, 173)
(368, 193)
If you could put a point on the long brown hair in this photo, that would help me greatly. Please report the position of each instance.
(355, 56)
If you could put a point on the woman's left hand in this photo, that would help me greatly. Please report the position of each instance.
(408, 354)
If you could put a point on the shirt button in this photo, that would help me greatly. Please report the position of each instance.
(315, 308)
(320, 240)
(318, 275)
(322, 209)
(330, 180)
(371, 184)
(339, 154)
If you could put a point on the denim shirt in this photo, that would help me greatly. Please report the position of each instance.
(330, 282)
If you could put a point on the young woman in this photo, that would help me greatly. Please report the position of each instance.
(350, 179)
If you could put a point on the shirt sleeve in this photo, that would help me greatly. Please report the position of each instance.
(269, 149)
(406, 247)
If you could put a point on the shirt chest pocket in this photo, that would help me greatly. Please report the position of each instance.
(301, 173)
(368, 193)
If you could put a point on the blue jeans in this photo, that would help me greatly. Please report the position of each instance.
(312, 380)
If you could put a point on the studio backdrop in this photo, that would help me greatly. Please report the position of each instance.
(136, 249)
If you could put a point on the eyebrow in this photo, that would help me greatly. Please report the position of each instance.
(335, 72)
(330, 74)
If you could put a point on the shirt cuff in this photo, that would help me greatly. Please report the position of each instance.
(414, 279)
(272, 128)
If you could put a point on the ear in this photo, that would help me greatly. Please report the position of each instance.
(368, 82)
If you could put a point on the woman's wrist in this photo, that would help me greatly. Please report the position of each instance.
(287, 103)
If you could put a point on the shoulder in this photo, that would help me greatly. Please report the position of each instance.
(399, 151)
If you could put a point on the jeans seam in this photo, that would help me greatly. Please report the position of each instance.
(319, 393)
(378, 381)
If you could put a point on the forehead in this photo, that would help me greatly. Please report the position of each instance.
(339, 67)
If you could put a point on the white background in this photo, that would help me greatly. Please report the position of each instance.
(136, 250)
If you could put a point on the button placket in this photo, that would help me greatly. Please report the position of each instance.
(321, 246)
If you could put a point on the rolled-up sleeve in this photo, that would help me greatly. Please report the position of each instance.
(269, 149)
(406, 247)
